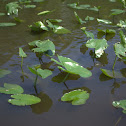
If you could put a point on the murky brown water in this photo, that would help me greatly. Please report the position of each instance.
(98, 110)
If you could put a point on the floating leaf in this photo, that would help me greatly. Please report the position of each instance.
(72, 67)
(99, 44)
(24, 99)
(33, 43)
(22, 53)
(123, 39)
(18, 20)
(55, 20)
(112, 74)
(107, 31)
(44, 12)
(12, 8)
(73, 5)
(89, 18)
(76, 6)
(7, 24)
(11, 89)
(88, 34)
(117, 11)
(44, 46)
(78, 18)
(122, 24)
(104, 21)
(120, 104)
(30, 6)
(4, 72)
(2, 14)
(95, 8)
(24, 1)
(44, 73)
(78, 97)
(38, 0)
(38, 26)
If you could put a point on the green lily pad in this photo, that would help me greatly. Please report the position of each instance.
(78, 97)
(72, 67)
(38, 0)
(99, 44)
(24, 99)
(44, 73)
(79, 19)
(55, 20)
(4, 72)
(11, 89)
(88, 34)
(2, 14)
(38, 27)
(22, 53)
(89, 18)
(44, 12)
(117, 11)
(95, 8)
(33, 43)
(104, 21)
(120, 104)
(44, 46)
(7, 24)
(112, 74)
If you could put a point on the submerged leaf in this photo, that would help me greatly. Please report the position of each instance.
(22, 53)
(78, 97)
(120, 104)
(7, 24)
(24, 99)
(78, 18)
(72, 67)
(4, 72)
(99, 44)
(11, 89)
(112, 74)
(104, 21)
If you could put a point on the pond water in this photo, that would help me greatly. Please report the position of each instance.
(98, 110)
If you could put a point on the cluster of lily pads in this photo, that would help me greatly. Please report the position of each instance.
(47, 47)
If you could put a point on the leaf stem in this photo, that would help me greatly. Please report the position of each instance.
(118, 121)
(65, 77)
(114, 63)
(35, 80)
(22, 62)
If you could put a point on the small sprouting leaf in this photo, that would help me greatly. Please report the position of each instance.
(99, 44)
(89, 18)
(12, 8)
(79, 19)
(44, 12)
(44, 73)
(11, 89)
(38, 0)
(7, 24)
(60, 30)
(24, 99)
(77, 97)
(44, 46)
(117, 11)
(30, 6)
(22, 53)
(2, 14)
(88, 34)
(122, 24)
(4, 72)
(38, 26)
(112, 74)
(104, 21)
(72, 67)
(120, 104)
(33, 70)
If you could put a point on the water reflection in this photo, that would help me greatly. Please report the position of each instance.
(44, 105)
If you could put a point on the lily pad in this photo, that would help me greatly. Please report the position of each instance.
(55, 20)
(104, 21)
(77, 97)
(30, 6)
(79, 19)
(72, 67)
(44, 12)
(117, 11)
(120, 104)
(2, 14)
(22, 53)
(4, 72)
(38, 0)
(95, 8)
(112, 74)
(24, 99)
(11, 89)
(7, 24)
(88, 18)
(99, 44)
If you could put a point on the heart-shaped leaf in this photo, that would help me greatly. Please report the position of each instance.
(116, 11)
(22, 53)
(72, 67)
(4, 72)
(24, 99)
(99, 44)
(11, 89)
(78, 97)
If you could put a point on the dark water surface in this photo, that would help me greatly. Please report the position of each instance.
(98, 110)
